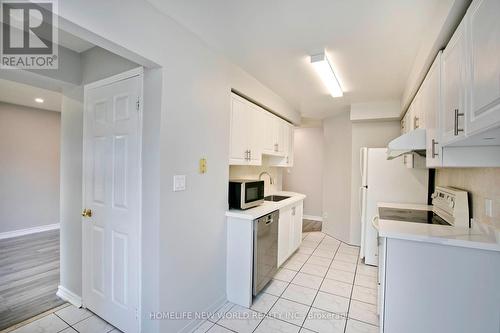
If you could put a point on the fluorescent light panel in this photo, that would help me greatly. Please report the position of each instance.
(325, 71)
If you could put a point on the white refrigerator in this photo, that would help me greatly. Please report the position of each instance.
(384, 180)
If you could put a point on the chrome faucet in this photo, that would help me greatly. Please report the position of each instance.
(271, 180)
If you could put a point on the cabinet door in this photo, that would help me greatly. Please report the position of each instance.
(280, 136)
(483, 70)
(452, 88)
(430, 102)
(408, 119)
(254, 139)
(238, 150)
(417, 119)
(297, 213)
(284, 226)
(269, 128)
(290, 146)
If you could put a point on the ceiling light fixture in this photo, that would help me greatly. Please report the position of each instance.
(325, 71)
(39, 100)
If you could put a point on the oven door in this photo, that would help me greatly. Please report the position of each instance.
(253, 194)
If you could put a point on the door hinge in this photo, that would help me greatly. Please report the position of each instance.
(136, 313)
(138, 104)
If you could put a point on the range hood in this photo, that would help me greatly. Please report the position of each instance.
(411, 142)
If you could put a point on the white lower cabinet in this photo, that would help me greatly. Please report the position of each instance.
(289, 231)
(428, 287)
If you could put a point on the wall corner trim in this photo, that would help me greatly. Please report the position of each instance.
(69, 296)
(34, 230)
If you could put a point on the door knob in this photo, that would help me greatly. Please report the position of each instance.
(87, 212)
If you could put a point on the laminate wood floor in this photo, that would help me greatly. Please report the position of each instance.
(29, 276)
(309, 225)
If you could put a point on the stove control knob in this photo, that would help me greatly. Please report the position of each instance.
(451, 203)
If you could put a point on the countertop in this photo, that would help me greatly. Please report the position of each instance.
(480, 236)
(266, 207)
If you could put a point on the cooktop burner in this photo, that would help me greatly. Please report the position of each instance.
(410, 215)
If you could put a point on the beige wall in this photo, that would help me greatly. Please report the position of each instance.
(253, 172)
(306, 176)
(483, 183)
(372, 135)
(337, 132)
(29, 167)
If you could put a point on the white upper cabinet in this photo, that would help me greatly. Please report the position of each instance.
(244, 143)
(452, 88)
(483, 70)
(430, 102)
(254, 132)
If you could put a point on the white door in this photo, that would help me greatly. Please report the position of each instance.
(112, 140)
(483, 51)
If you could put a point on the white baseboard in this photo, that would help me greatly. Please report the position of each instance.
(194, 324)
(313, 218)
(34, 230)
(69, 296)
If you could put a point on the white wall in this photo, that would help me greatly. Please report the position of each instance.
(194, 123)
(29, 167)
(98, 63)
(253, 172)
(373, 135)
(337, 176)
(306, 176)
(71, 190)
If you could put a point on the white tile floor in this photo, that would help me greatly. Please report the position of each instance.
(323, 287)
(68, 319)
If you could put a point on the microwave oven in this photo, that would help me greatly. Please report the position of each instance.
(245, 193)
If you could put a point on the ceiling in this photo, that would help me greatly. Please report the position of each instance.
(371, 44)
(23, 94)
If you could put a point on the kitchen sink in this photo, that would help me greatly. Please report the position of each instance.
(275, 198)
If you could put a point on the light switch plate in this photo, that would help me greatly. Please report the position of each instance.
(488, 205)
(179, 183)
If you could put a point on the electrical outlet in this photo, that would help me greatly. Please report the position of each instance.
(488, 205)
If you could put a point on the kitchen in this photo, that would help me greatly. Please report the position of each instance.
(425, 228)
(298, 167)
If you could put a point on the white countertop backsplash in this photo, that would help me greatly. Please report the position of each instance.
(480, 236)
(266, 207)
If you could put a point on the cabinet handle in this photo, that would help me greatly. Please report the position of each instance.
(275, 147)
(416, 122)
(434, 143)
(249, 155)
(404, 159)
(458, 114)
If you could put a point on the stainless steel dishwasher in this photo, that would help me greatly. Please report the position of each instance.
(265, 250)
